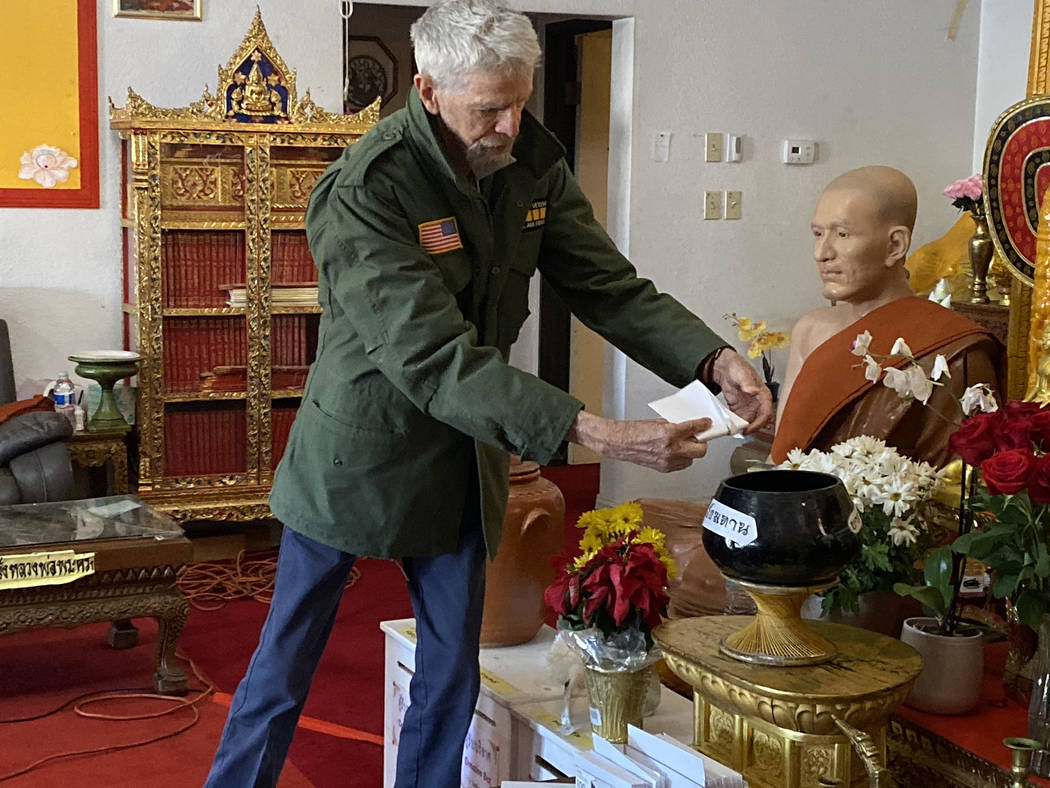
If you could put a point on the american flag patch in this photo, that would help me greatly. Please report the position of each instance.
(440, 235)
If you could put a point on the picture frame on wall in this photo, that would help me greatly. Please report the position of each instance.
(369, 70)
(158, 9)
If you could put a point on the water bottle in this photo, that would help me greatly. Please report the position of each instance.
(65, 397)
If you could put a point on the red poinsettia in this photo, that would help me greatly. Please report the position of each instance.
(621, 585)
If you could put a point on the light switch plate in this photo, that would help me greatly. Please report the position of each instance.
(733, 204)
(713, 146)
(712, 205)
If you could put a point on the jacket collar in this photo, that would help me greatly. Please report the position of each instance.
(536, 148)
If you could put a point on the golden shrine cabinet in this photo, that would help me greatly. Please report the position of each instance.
(220, 291)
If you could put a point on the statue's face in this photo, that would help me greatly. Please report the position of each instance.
(851, 246)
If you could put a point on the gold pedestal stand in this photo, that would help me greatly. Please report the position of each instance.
(779, 725)
(777, 635)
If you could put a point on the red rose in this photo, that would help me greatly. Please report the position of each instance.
(1039, 423)
(974, 441)
(1014, 427)
(1039, 482)
(1007, 472)
(1016, 407)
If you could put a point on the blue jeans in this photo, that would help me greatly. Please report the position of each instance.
(447, 593)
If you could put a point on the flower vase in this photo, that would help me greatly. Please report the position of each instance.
(1039, 706)
(1020, 657)
(980, 259)
(617, 698)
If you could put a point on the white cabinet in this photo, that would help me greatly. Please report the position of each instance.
(515, 732)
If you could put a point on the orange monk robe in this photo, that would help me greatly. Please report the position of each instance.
(832, 401)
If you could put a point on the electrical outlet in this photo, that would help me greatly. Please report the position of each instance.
(712, 205)
(733, 204)
(713, 146)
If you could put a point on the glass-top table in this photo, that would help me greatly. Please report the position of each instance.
(84, 519)
(127, 559)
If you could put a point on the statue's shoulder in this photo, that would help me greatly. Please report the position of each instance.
(814, 328)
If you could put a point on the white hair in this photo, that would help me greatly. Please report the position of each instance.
(455, 37)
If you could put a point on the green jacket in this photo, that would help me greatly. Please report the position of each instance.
(411, 391)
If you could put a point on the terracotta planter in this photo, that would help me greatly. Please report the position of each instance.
(533, 531)
(952, 668)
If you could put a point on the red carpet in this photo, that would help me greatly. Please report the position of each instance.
(43, 669)
(335, 747)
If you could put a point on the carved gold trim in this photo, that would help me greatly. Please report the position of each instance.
(209, 111)
(1022, 343)
(89, 453)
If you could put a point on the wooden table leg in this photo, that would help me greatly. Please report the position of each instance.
(171, 618)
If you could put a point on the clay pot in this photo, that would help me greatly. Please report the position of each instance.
(533, 531)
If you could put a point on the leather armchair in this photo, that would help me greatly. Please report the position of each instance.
(34, 460)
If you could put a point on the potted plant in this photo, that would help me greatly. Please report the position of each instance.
(608, 599)
(952, 655)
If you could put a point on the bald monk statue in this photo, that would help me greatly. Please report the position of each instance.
(862, 229)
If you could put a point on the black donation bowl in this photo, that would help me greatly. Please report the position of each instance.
(802, 519)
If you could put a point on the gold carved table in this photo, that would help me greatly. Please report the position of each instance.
(123, 559)
(99, 449)
(776, 725)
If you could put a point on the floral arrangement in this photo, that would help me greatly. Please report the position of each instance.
(943, 565)
(894, 497)
(966, 195)
(759, 341)
(613, 593)
(1010, 535)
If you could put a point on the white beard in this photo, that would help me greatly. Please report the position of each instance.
(486, 159)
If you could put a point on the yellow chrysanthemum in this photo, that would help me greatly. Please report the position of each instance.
(581, 560)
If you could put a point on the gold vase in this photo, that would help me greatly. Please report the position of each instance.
(981, 251)
(617, 698)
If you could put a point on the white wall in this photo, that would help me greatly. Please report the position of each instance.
(1002, 66)
(874, 82)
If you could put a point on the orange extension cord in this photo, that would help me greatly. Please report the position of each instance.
(209, 585)
(82, 701)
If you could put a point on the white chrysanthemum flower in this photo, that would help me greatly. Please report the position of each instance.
(844, 449)
(903, 533)
(978, 398)
(900, 348)
(860, 344)
(872, 370)
(940, 367)
(866, 445)
(795, 459)
(46, 165)
(899, 496)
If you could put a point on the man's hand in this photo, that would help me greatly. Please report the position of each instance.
(745, 393)
(655, 444)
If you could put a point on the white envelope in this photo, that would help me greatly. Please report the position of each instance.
(696, 401)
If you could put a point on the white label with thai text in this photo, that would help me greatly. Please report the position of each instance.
(738, 528)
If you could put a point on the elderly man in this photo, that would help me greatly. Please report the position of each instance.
(862, 229)
(426, 233)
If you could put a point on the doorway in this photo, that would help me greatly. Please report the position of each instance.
(577, 80)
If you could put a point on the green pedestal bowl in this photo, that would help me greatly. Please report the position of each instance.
(106, 367)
